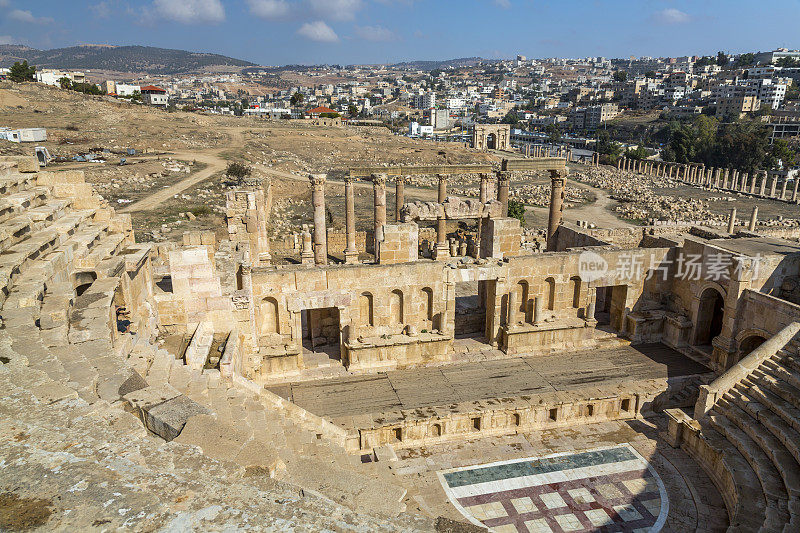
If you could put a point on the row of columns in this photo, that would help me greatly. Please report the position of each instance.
(316, 251)
(539, 150)
(717, 178)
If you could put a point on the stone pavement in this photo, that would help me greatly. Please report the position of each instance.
(462, 382)
(693, 501)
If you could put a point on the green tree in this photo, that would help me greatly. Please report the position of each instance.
(21, 72)
(745, 60)
(516, 209)
(787, 62)
(65, 83)
(640, 152)
(609, 150)
(511, 118)
(238, 171)
(621, 76)
(352, 110)
(651, 74)
(722, 59)
(704, 61)
(297, 99)
(781, 151)
(553, 133)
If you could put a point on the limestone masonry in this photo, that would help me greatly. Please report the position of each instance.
(409, 378)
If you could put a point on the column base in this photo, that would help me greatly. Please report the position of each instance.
(441, 252)
(350, 258)
(264, 258)
(307, 259)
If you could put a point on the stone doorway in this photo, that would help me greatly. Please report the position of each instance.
(610, 307)
(321, 337)
(709, 317)
(470, 317)
(491, 141)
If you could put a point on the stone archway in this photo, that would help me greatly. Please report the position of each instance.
(709, 317)
(750, 343)
(492, 137)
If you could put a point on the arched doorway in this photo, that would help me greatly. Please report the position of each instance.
(709, 316)
(749, 344)
(491, 141)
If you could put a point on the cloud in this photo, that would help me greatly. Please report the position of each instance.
(318, 31)
(7, 39)
(190, 11)
(671, 16)
(4, 3)
(375, 33)
(28, 18)
(269, 9)
(505, 4)
(336, 9)
(101, 10)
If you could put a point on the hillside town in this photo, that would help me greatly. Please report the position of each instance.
(574, 96)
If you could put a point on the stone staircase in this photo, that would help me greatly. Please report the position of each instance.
(749, 439)
(242, 428)
(66, 371)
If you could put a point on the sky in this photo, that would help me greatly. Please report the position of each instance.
(280, 32)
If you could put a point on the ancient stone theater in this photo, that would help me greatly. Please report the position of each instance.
(441, 371)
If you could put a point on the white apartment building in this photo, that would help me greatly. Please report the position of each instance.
(50, 76)
(455, 103)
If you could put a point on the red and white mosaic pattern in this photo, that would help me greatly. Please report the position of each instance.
(562, 493)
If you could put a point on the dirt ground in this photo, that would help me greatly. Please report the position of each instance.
(176, 181)
(155, 196)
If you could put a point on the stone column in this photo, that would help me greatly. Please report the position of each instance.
(732, 220)
(537, 311)
(783, 188)
(753, 183)
(399, 196)
(773, 186)
(441, 252)
(307, 255)
(512, 308)
(794, 192)
(320, 230)
(753, 219)
(558, 179)
(503, 179)
(350, 253)
(379, 214)
(763, 186)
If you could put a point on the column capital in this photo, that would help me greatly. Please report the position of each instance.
(399, 179)
(317, 180)
(442, 177)
(349, 180)
(503, 175)
(558, 174)
(379, 180)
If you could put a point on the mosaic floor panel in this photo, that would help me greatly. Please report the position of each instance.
(611, 489)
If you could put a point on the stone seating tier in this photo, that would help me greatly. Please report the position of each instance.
(67, 374)
(749, 442)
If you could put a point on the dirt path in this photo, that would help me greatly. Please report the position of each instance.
(597, 212)
(213, 161)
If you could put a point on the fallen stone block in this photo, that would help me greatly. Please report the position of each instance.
(163, 410)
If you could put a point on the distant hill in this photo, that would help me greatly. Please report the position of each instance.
(145, 59)
(455, 63)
